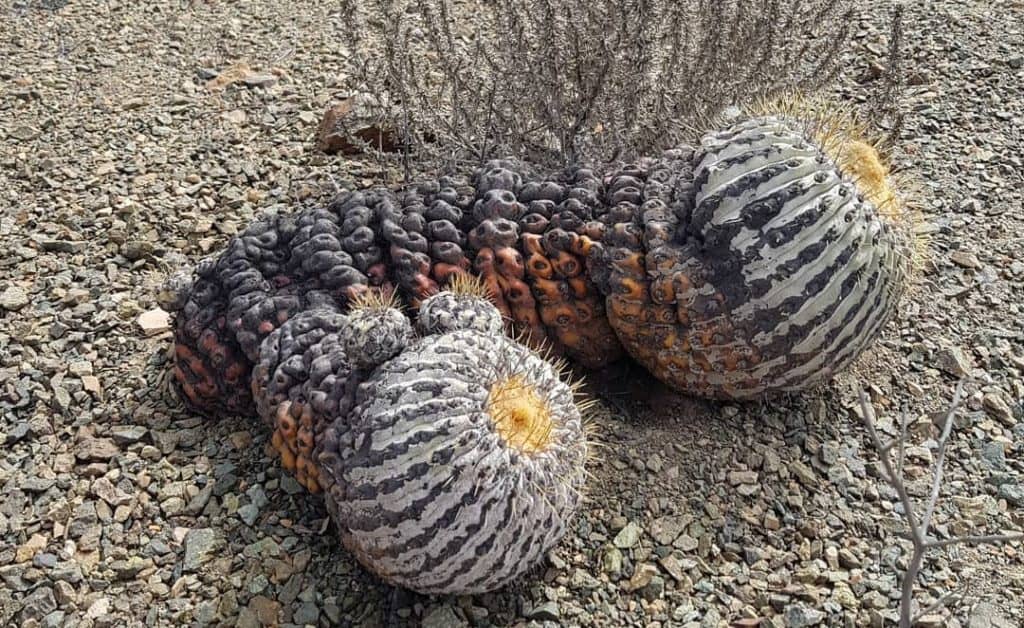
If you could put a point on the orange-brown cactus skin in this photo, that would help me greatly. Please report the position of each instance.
(667, 315)
(532, 242)
(302, 382)
(208, 366)
(642, 264)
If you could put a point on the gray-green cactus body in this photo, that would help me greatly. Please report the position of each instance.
(450, 311)
(460, 466)
(781, 269)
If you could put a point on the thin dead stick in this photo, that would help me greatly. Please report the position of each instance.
(918, 528)
(939, 603)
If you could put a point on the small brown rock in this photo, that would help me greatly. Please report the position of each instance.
(345, 125)
(96, 449)
(266, 610)
(965, 259)
(643, 575)
(35, 544)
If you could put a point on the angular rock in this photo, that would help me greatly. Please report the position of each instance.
(548, 611)
(13, 298)
(953, 361)
(91, 448)
(627, 536)
(153, 322)
(442, 616)
(348, 124)
(201, 545)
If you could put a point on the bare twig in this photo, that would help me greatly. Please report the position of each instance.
(918, 528)
(975, 540)
(939, 603)
(887, 99)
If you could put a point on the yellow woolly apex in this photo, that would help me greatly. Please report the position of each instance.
(860, 153)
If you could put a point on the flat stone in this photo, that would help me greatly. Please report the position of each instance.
(105, 490)
(200, 546)
(953, 361)
(1012, 493)
(997, 407)
(686, 543)
(248, 513)
(665, 530)
(306, 613)
(84, 519)
(129, 568)
(260, 79)
(742, 477)
(642, 576)
(24, 132)
(35, 544)
(627, 536)
(91, 383)
(798, 616)
(96, 449)
(38, 604)
(442, 616)
(985, 615)
(611, 560)
(803, 473)
(153, 322)
(127, 434)
(13, 298)
(654, 590)
(965, 259)
(548, 611)
(265, 609)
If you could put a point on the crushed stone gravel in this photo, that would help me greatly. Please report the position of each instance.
(128, 150)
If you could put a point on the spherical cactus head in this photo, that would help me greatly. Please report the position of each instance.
(859, 152)
(466, 464)
(772, 266)
(376, 331)
(465, 304)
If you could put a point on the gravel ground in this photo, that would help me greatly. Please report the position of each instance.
(120, 509)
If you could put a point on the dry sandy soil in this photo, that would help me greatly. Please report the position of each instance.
(121, 509)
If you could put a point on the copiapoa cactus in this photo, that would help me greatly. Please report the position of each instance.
(764, 259)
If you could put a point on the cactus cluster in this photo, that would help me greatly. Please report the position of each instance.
(426, 445)
(764, 259)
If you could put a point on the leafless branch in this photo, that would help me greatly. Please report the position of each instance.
(888, 97)
(919, 527)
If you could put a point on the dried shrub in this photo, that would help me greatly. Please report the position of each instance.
(558, 81)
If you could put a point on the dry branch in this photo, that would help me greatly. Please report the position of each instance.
(559, 82)
(918, 527)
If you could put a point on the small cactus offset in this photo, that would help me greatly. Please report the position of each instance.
(765, 259)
